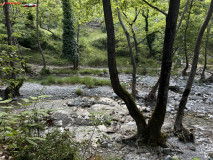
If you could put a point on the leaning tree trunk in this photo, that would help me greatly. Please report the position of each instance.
(178, 127)
(118, 89)
(202, 78)
(158, 116)
(130, 52)
(185, 42)
(39, 45)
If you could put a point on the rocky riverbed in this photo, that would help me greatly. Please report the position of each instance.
(77, 111)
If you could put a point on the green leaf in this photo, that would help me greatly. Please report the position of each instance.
(44, 96)
(6, 101)
(7, 107)
(33, 98)
(30, 141)
(25, 100)
(38, 138)
(195, 158)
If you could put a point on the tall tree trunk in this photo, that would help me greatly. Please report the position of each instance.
(78, 31)
(136, 45)
(39, 45)
(185, 42)
(202, 78)
(118, 89)
(78, 36)
(149, 43)
(182, 16)
(13, 88)
(152, 94)
(130, 52)
(158, 116)
(178, 127)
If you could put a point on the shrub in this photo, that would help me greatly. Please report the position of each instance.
(79, 92)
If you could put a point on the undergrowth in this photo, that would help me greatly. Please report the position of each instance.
(88, 81)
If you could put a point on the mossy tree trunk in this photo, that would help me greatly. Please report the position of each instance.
(69, 48)
(150, 133)
(13, 87)
(178, 127)
(130, 52)
(158, 116)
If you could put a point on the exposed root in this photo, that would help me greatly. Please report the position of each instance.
(185, 135)
(130, 140)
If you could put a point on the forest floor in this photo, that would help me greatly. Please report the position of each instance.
(77, 111)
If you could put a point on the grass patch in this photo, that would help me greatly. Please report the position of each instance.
(82, 71)
(88, 81)
(79, 92)
(34, 57)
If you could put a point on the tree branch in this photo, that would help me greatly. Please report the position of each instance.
(154, 7)
(51, 32)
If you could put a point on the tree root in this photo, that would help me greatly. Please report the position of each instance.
(185, 135)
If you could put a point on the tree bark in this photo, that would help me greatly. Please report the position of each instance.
(39, 45)
(118, 89)
(203, 77)
(150, 133)
(134, 35)
(130, 52)
(158, 116)
(178, 127)
(185, 42)
(182, 16)
(13, 88)
(152, 94)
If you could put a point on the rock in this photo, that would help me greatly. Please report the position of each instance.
(193, 148)
(61, 119)
(211, 155)
(3, 92)
(166, 150)
(175, 89)
(114, 95)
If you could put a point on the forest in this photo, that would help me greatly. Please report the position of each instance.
(106, 80)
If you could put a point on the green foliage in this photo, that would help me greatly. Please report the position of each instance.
(45, 71)
(80, 71)
(79, 92)
(55, 146)
(195, 158)
(22, 133)
(69, 49)
(90, 82)
(11, 72)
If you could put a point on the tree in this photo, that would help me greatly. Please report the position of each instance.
(185, 40)
(69, 44)
(130, 53)
(39, 45)
(148, 133)
(178, 127)
(14, 82)
(152, 94)
(202, 78)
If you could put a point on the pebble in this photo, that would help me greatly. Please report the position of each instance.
(211, 154)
